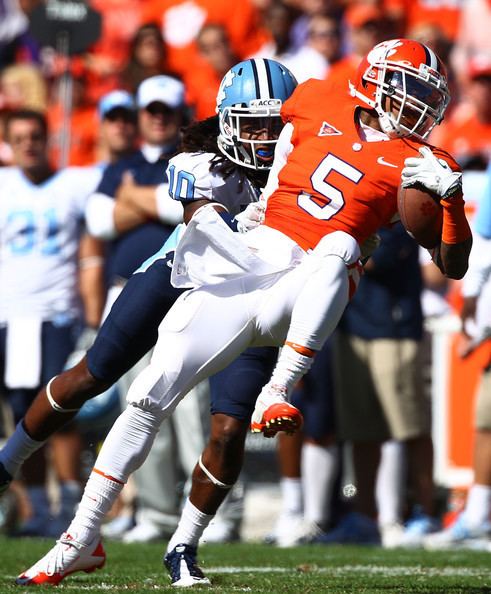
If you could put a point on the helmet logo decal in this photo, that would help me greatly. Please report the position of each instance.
(226, 82)
(265, 103)
(383, 50)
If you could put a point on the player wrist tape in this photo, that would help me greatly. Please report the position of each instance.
(455, 226)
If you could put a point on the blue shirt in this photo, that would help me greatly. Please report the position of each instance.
(129, 250)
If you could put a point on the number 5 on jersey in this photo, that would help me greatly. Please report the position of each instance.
(334, 196)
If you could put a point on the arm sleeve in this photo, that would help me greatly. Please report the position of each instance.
(99, 216)
(169, 211)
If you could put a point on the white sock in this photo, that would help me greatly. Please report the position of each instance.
(99, 495)
(389, 485)
(319, 471)
(191, 526)
(18, 448)
(291, 495)
(290, 367)
(478, 506)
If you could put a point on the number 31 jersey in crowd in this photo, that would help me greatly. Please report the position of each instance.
(333, 179)
(40, 227)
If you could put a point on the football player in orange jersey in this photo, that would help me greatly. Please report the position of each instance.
(287, 282)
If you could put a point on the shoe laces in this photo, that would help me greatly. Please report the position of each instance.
(53, 562)
(188, 554)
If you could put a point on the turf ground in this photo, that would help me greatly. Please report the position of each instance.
(263, 569)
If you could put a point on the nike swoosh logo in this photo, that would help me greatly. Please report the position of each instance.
(382, 161)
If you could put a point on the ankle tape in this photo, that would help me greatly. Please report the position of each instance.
(52, 402)
(214, 480)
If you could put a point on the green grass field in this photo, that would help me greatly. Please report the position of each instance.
(263, 569)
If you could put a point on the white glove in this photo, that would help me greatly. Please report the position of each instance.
(251, 217)
(432, 173)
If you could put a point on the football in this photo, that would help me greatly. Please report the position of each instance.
(421, 214)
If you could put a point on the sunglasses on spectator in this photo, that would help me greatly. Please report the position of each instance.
(120, 114)
(158, 108)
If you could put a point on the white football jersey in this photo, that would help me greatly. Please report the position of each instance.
(40, 228)
(190, 179)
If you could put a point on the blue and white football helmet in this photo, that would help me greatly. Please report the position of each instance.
(250, 98)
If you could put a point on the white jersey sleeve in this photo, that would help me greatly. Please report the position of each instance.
(192, 178)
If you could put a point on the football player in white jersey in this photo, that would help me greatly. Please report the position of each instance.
(229, 174)
(41, 239)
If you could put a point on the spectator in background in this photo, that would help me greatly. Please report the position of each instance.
(367, 25)
(182, 20)
(309, 459)
(22, 86)
(106, 58)
(473, 35)
(321, 50)
(472, 528)
(215, 58)
(310, 9)
(278, 18)
(380, 393)
(147, 57)
(467, 133)
(117, 128)
(46, 266)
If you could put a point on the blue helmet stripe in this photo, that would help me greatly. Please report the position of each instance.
(256, 77)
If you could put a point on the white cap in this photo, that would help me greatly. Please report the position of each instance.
(164, 89)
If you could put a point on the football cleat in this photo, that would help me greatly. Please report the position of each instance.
(5, 479)
(273, 413)
(65, 558)
(183, 568)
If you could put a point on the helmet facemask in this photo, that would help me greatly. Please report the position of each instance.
(410, 103)
(408, 99)
(239, 140)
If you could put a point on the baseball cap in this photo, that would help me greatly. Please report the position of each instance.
(162, 88)
(359, 15)
(479, 65)
(113, 100)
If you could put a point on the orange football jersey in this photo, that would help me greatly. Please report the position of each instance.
(333, 180)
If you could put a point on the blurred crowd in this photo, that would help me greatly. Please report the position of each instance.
(374, 379)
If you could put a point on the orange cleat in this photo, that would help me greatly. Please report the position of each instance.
(273, 413)
(66, 557)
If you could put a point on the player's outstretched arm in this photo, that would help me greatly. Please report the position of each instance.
(452, 255)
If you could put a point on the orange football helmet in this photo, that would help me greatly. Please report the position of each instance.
(405, 82)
